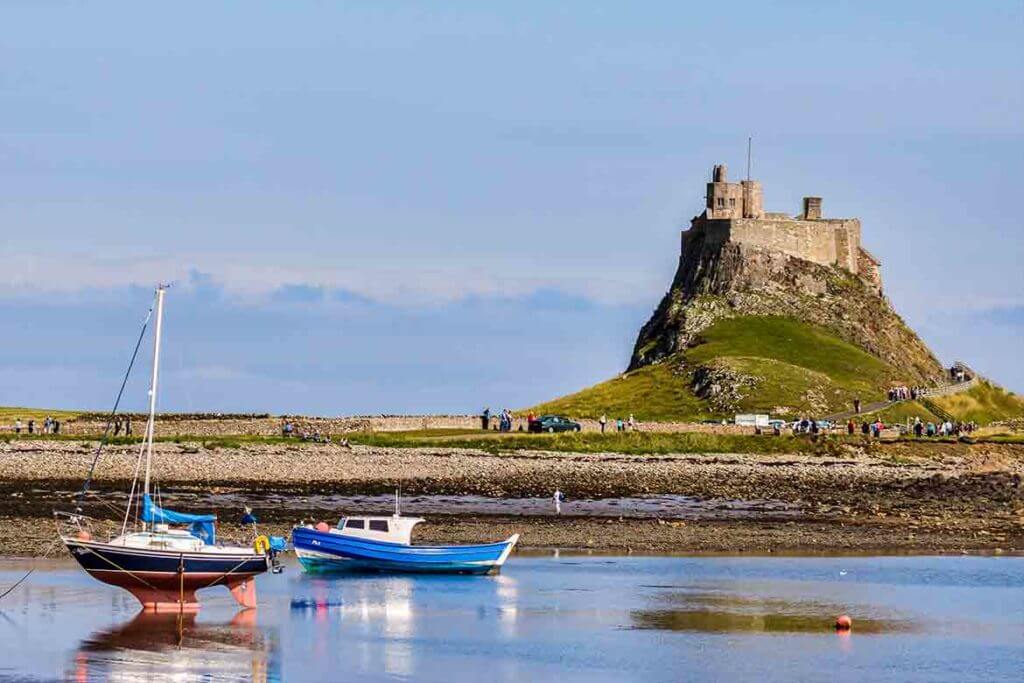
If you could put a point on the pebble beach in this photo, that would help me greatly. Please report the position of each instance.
(917, 498)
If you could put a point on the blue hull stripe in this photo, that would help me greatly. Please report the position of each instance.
(368, 554)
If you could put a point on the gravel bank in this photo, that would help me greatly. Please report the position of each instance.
(908, 498)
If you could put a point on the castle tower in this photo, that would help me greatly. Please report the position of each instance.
(812, 209)
(733, 200)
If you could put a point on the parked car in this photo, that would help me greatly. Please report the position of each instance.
(554, 423)
(778, 424)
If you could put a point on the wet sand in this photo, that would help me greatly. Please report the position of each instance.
(916, 498)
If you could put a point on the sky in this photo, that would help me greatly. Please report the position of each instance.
(387, 207)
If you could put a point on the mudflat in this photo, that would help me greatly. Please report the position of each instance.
(904, 497)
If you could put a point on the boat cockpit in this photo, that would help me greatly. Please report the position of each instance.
(394, 529)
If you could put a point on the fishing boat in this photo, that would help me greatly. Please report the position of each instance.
(384, 544)
(163, 557)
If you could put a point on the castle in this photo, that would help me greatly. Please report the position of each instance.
(734, 212)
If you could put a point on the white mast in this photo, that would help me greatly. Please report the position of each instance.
(152, 385)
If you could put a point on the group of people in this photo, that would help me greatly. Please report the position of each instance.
(946, 428)
(902, 393)
(505, 420)
(288, 429)
(620, 424)
(866, 428)
(125, 424)
(50, 426)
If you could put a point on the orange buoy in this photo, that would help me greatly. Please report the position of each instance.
(843, 623)
(322, 526)
(84, 535)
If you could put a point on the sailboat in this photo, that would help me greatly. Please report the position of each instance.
(166, 556)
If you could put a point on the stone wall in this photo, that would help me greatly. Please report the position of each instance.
(826, 242)
(236, 425)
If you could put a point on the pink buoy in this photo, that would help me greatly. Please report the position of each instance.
(322, 526)
(843, 623)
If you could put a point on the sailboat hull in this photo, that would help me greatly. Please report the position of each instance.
(163, 580)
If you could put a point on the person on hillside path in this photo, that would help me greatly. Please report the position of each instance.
(31, 426)
(558, 498)
(850, 427)
(128, 425)
(631, 423)
(618, 424)
(485, 419)
(17, 425)
(856, 405)
(603, 422)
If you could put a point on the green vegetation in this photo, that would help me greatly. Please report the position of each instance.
(902, 412)
(8, 414)
(798, 366)
(635, 443)
(653, 393)
(983, 403)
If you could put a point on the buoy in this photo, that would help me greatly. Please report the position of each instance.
(322, 526)
(84, 535)
(843, 623)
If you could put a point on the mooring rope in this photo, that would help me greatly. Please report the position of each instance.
(29, 572)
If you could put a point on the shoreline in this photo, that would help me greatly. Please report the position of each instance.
(937, 500)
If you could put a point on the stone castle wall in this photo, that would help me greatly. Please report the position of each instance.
(826, 242)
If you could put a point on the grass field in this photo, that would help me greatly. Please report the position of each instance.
(789, 357)
(635, 443)
(9, 414)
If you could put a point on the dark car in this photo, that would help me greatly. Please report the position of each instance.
(554, 423)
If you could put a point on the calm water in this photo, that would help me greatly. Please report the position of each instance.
(587, 618)
(333, 506)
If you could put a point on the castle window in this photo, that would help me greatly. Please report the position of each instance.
(721, 202)
(732, 202)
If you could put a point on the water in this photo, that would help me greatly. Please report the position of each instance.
(334, 505)
(586, 618)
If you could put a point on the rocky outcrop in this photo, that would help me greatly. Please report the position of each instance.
(721, 386)
(716, 281)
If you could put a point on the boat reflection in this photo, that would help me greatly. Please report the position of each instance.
(376, 624)
(155, 646)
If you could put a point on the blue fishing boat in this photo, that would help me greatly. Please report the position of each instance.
(383, 544)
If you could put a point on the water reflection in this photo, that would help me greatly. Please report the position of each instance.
(140, 649)
(721, 612)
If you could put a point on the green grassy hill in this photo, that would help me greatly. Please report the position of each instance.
(790, 368)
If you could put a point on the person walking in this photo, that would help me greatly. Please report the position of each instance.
(128, 425)
(631, 423)
(485, 419)
(558, 498)
(850, 427)
(17, 425)
(603, 422)
(31, 426)
(856, 405)
(618, 424)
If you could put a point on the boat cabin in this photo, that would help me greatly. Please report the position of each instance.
(392, 529)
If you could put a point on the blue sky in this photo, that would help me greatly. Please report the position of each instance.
(409, 207)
